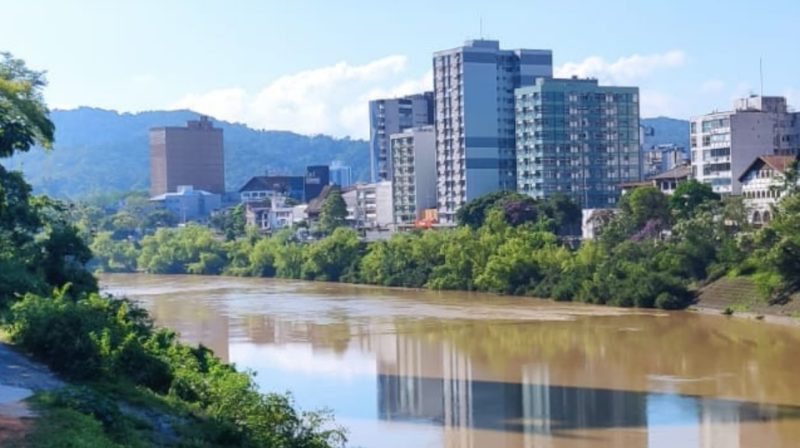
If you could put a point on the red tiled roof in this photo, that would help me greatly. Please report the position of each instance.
(777, 163)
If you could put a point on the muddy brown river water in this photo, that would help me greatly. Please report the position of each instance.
(402, 368)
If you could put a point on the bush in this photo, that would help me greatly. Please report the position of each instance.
(59, 332)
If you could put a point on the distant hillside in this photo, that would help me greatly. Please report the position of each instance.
(667, 130)
(100, 150)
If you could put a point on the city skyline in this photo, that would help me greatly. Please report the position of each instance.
(311, 68)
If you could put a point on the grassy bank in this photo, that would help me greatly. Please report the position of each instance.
(135, 385)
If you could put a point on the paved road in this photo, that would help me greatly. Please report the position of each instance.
(19, 378)
(17, 370)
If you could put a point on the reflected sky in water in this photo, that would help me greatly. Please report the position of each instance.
(443, 369)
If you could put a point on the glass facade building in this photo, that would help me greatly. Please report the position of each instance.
(474, 118)
(576, 137)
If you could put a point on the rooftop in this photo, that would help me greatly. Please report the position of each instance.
(777, 163)
(679, 172)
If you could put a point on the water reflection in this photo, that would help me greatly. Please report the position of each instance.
(558, 411)
(419, 369)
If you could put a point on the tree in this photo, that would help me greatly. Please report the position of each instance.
(333, 213)
(645, 204)
(113, 255)
(519, 212)
(475, 212)
(689, 196)
(331, 258)
(23, 114)
(791, 179)
(230, 222)
(39, 248)
(563, 213)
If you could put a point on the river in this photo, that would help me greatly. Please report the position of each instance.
(403, 368)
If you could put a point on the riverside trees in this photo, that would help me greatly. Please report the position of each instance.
(50, 307)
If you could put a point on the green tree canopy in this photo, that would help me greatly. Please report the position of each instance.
(24, 118)
(645, 204)
(333, 213)
(689, 196)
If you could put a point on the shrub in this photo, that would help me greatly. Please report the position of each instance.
(61, 333)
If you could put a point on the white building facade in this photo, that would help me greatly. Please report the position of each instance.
(369, 206)
(474, 118)
(762, 186)
(414, 178)
(723, 144)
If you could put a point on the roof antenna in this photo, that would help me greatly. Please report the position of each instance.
(761, 74)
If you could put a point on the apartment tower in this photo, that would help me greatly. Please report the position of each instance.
(578, 138)
(475, 127)
(723, 144)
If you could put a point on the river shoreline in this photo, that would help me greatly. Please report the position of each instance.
(762, 315)
(776, 319)
(394, 363)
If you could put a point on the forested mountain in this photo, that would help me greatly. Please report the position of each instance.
(99, 150)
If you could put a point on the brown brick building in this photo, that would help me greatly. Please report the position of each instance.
(191, 155)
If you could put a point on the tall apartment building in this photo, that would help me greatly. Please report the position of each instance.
(414, 173)
(474, 106)
(723, 144)
(341, 174)
(578, 138)
(390, 116)
(191, 155)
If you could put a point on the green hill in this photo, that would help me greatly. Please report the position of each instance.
(99, 150)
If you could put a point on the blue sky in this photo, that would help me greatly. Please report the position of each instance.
(310, 66)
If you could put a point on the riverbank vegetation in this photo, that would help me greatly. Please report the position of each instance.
(132, 384)
(652, 253)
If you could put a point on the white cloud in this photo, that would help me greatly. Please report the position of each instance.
(656, 103)
(226, 104)
(712, 86)
(624, 70)
(330, 100)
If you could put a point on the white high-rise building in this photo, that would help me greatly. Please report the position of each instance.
(414, 176)
(723, 144)
(474, 118)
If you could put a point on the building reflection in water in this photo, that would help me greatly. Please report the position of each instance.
(433, 383)
(424, 375)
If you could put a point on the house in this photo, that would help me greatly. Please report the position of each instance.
(260, 188)
(762, 183)
(273, 215)
(315, 205)
(667, 181)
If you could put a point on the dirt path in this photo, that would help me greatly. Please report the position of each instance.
(19, 379)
